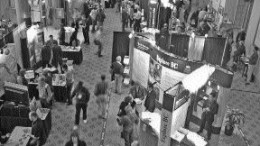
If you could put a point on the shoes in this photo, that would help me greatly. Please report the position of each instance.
(101, 117)
(85, 121)
(75, 127)
(247, 83)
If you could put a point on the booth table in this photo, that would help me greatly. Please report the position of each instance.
(68, 33)
(19, 136)
(71, 53)
(59, 89)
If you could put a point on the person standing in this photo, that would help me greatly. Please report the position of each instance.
(98, 42)
(57, 55)
(82, 95)
(62, 36)
(38, 133)
(51, 41)
(149, 102)
(124, 19)
(251, 66)
(74, 36)
(128, 100)
(69, 81)
(101, 92)
(209, 108)
(45, 93)
(128, 122)
(137, 20)
(85, 28)
(131, 16)
(75, 141)
(46, 56)
(117, 69)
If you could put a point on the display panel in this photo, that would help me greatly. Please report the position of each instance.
(140, 67)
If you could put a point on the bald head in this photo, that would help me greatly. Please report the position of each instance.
(118, 58)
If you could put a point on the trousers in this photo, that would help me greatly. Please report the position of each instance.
(80, 106)
(118, 82)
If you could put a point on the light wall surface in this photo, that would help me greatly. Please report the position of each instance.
(250, 37)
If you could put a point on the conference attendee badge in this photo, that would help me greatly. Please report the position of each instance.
(80, 96)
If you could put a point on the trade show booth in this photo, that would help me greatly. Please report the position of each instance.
(177, 81)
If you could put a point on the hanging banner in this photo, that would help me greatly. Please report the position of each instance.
(169, 61)
(166, 120)
(140, 67)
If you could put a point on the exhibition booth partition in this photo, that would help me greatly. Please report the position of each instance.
(176, 81)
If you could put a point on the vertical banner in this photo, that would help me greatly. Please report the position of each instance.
(166, 120)
(153, 9)
(140, 67)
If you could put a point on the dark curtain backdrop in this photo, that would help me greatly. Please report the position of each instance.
(213, 50)
(120, 45)
(144, 5)
(2, 44)
(179, 44)
(25, 53)
(9, 38)
(164, 16)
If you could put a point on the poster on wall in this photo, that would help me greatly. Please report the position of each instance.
(140, 67)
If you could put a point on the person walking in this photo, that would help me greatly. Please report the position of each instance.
(82, 95)
(117, 69)
(102, 92)
(100, 18)
(93, 16)
(209, 108)
(251, 66)
(85, 28)
(98, 42)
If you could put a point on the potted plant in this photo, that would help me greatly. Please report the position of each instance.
(234, 117)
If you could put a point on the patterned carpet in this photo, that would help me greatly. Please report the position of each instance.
(91, 69)
(89, 72)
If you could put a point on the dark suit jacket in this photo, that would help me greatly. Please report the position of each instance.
(117, 68)
(57, 55)
(80, 143)
(150, 101)
(213, 110)
(46, 53)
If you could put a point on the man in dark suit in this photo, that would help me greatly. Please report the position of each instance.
(57, 55)
(149, 103)
(209, 108)
(46, 56)
(51, 41)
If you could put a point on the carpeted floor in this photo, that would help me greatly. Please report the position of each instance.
(91, 69)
